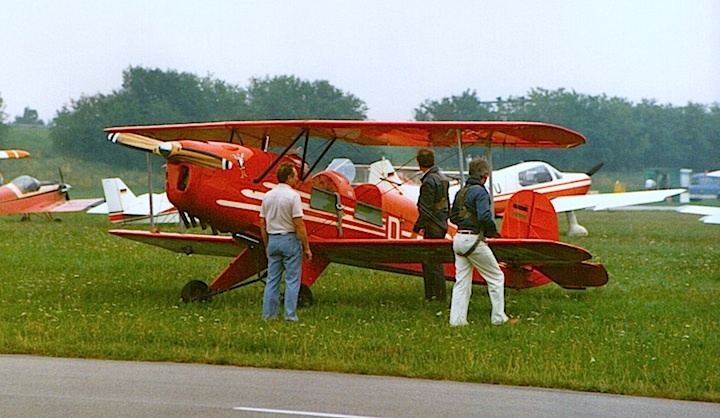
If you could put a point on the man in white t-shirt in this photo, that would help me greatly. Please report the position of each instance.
(285, 237)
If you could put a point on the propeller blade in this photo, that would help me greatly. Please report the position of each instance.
(202, 159)
(171, 151)
(140, 142)
(174, 151)
(64, 187)
(594, 169)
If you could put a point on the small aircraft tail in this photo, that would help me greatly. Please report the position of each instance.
(117, 195)
(530, 215)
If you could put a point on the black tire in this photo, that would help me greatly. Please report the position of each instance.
(195, 291)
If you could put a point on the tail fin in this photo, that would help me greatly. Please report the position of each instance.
(530, 215)
(117, 195)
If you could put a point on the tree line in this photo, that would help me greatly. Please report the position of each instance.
(622, 134)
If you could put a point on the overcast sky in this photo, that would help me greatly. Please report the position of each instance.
(391, 54)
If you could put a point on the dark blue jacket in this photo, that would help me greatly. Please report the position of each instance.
(477, 203)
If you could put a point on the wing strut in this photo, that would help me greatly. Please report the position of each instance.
(488, 153)
(458, 133)
(304, 175)
(327, 148)
(150, 193)
(282, 154)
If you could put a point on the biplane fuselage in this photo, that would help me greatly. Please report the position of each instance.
(229, 200)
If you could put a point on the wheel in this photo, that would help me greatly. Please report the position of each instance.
(305, 298)
(195, 291)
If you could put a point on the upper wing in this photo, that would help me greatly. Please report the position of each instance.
(13, 154)
(74, 205)
(414, 134)
(711, 214)
(605, 201)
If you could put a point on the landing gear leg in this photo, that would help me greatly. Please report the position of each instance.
(305, 298)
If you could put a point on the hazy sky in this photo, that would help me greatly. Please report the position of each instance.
(391, 54)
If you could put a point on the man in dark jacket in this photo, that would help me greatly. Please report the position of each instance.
(433, 207)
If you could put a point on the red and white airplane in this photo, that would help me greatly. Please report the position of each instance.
(123, 207)
(567, 191)
(218, 173)
(27, 195)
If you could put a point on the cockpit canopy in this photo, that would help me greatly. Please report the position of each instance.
(28, 184)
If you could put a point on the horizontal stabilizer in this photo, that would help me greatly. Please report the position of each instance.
(576, 275)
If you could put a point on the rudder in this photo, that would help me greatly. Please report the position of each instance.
(530, 215)
(117, 194)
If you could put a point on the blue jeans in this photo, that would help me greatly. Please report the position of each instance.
(284, 253)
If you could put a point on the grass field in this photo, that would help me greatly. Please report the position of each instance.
(70, 289)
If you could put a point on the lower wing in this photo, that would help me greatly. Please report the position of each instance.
(526, 262)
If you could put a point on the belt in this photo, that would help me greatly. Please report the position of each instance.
(280, 233)
(468, 232)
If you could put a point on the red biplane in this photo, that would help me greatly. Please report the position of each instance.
(218, 173)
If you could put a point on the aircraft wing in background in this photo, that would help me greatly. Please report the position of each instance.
(711, 215)
(604, 201)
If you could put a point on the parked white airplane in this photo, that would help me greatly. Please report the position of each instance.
(122, 206)
(566, 191)
(711, 214)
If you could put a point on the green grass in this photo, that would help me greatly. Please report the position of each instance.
(70, 289)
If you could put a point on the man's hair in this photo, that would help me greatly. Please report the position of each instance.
(284, 171)
(479, 167)
(425, 158)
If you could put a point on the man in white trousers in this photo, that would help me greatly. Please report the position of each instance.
(471, 213)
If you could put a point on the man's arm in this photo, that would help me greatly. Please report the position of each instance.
(301, 232)
(424, 205)
(484, 214)
(263, 232)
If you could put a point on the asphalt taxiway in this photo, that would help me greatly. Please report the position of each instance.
(58, 387)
